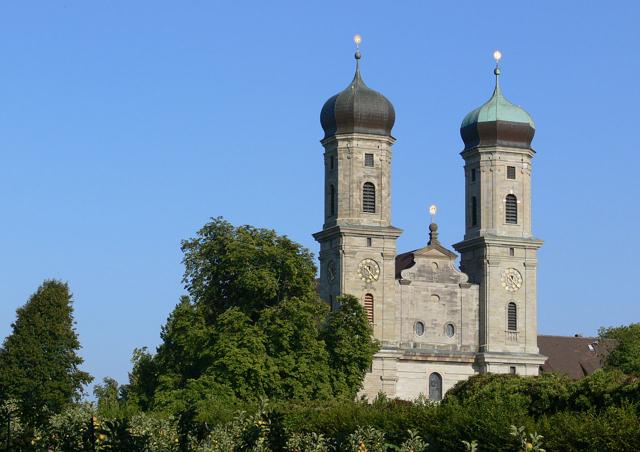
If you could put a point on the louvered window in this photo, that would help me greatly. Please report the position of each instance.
(512, 317)
(368, 160)
(474, 211)
(332, 201)
(511, 172)
(369, 197)
(511, 209)
(368, 306)
(473, 175)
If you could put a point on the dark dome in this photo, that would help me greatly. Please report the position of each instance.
(357, 109)
(497, 122)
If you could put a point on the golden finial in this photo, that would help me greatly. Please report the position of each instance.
(357, 39)
(433, 209)
(497, 55)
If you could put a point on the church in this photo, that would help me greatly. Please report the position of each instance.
(437, 324)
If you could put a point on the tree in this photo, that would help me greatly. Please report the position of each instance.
(253, 326)
(625, 354)
(111, 402)
(349, 340)
(38, 360)
(298, 358)
(245, 267)
(143, 379)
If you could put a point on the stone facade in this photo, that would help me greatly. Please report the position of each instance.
(437, 325)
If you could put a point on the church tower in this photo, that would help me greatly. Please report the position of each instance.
(499, 249)
(357, 241)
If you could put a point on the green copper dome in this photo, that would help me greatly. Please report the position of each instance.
(498, 108)
(497, 122)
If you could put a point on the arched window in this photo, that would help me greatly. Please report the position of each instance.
(474, 211)
(332, 201)
(369, 198)
(511, 209)
(512, 316)
(368, 306)
(435, 387)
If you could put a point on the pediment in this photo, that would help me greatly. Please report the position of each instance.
(436, 250)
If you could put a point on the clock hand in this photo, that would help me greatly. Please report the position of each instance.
(369, 270)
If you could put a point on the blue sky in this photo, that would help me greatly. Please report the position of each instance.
(125, 125)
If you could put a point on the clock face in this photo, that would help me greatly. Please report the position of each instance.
(369, 270)
(511, 279)
(331, 270)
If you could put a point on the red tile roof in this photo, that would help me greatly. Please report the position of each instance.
(574, 356)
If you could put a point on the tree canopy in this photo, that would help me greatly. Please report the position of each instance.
(625, 354)
(252, 327)
(246, 268)
(39, 364)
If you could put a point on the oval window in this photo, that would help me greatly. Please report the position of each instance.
(450, 330)
(419, 328)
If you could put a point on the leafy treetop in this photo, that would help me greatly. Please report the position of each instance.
(39, 364)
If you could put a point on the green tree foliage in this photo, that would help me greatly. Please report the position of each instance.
(110, 400)
(351, 346)
(534, 396)
(298, 358)
(38, 360)
(246, 268)
(626, 353)
(238, 355)
(143, 379)
(252, 327)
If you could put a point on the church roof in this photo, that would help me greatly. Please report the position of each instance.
(497, 122)
(498, 108)
(357, 109)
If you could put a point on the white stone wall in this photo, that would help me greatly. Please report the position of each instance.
(413, 376)
(352, 235)
(435, 293)
(493, 250)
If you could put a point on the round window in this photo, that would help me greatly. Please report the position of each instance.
(419, 328)
(450, 330)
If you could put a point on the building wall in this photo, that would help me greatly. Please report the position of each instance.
(413, 376)
(495, 251)
(351, 235)
(435, 293)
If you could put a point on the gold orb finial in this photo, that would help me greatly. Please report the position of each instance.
(433, 209)
(357, 39)
(497, 55)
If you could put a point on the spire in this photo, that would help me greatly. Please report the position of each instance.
(357, 108)
(497, 55)
(357, 39)
(497, 121)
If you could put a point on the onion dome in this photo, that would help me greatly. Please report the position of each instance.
(357, 109)
(497, 123)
